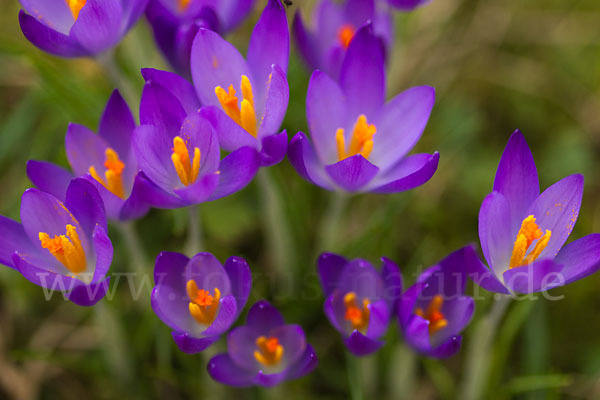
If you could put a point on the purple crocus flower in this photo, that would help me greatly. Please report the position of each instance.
(324, 47)
(407, 5)
(219, 72)
(106, 159)
(264, 352)
(359, 142)
(61, 245)
(359, 300)
(78, 28)
(178, 151)
(522, 232)
(176, 22)
(433, 311)
(199, 298)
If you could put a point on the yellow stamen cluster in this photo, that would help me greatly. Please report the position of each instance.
(269, 351)
(244, 114)
(183, 5)
(345, 35)
(528, 233)
(203, 306)
(362, 139)
(113, 174)
(187, 169)
(357, 316)
(433, 314)
(66, 249)
(76, 6)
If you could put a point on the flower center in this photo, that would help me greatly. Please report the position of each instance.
(113, 174)
(362, 139)
(183, 5)
(187, 169)
(203, 306)
(244, 114)
(528, 233)
(66, 249)
(434, 314)
(269, 351)
(357, 316)
(75, 6)
(345, 35)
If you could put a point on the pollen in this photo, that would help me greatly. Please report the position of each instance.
(203, 306)
(269, 351)
(361, 142)
(113, 179)
(183, 5)
(358, 316)
(528, 233)
(76, 6)
(66, 249)
(187, 169)
(243, 113)
(433, 314)
(345, 35)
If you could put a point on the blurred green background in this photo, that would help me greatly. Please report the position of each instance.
(497, 65)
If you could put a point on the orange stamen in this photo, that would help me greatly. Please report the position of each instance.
(345, 35)
(357, 316)
(433, 314)
(203, 306)
(528, 233)
(76, 6)
(269, 351)
(243, 114)
(186, 169)
(113, 175)
(361, 142)
(66, 249)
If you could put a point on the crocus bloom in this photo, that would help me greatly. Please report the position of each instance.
(433, 311)
(221, 75)
(78, 28)
(176, 22)
(359, 300)
(179, 153)
(323, 48)
(61, 245)
(359, 143)
(407, 5)
(522, 232)
(199, 298)
(106, 159)
(264, 352)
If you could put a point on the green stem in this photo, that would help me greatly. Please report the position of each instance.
(108, 61)
(402, 373)
(194, 241)
(354, 377)
(330, 224)
(278, 234)
(135, 250)
(479, 352)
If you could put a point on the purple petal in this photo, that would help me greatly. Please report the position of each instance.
(273, 149)
(208, 273)
(330, 17)
(447, 349)
(98, 26)
(400, 124)
(42, 276)
(14, 239)
(240, 277)
(182, 89)
(536, 277)
(231, 135)
(330, 266)
(116, 128)
(361, 345)
(326, 111)
(89, 295)
(406, 304)
(362, 76)
(360, 277)
(334, 311)
(305, 365)
(359, 11)
(200, 191)
(132, 10)
(448, 277)
(270, 43)
(517, 178)
(215, 62)
(306, 43)
(222, 369)
(379, 318)
(580, 258)
(226, 316)
(49, 177)
(84, 149)
(557, 209)
(241, 344)
(232, 13)
(409, 173)
(83, 200)
(303, 158)
(135, 206)
(276, 102)
(151, 194)
(104, 253)
(458, 311)
(160, 107)
(352, 173)
(236, 171)
(55, 15)
(495, 231)
(484, 277)
(264, 317)
(392, 280)
(293, 340)
(47, 39)
(152, 150)
(269, 380)
(192, 345)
